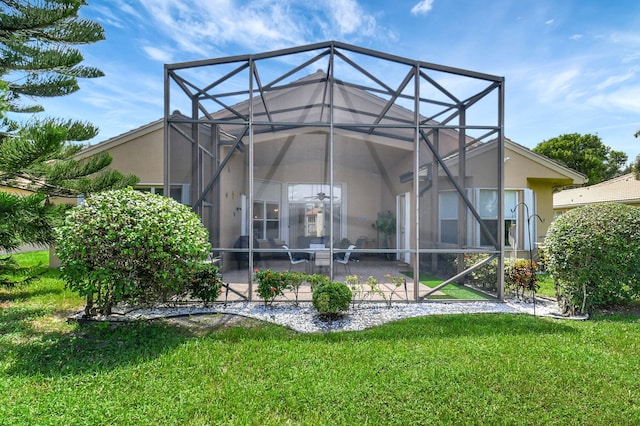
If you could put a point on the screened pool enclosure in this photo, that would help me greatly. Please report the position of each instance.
(339, 160)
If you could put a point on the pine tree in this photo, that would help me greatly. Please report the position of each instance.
(37, 48)
(39, 58)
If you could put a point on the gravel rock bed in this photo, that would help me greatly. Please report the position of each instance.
(305, 319)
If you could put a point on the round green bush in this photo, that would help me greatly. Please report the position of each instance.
(331, 298)
(593, 253)
(126, 245)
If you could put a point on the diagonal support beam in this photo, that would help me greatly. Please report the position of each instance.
(393, 99)
(219, 170)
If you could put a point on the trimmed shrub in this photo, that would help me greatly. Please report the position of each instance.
(331, 298)
(486, 276)
(593, 254)
(126, 245)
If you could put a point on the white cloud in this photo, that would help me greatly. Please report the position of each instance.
(575, 37)
(422, 8)
(351, 18)
(625, 98)
(205, 28)
(556, 85)
(550, 21)
(614, 80)
(157, 54)
(106, 16)
(202, 27)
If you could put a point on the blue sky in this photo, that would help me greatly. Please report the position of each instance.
(571, 66)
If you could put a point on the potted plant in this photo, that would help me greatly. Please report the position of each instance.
(386, 226)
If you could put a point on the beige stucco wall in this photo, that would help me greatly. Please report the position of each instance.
(141, 155)
(368, 188)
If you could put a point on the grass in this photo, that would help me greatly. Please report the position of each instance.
(453, 369)
(547, 288)
(451, 291)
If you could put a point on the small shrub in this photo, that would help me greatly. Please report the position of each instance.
(486, 276)
(331, 298)
(205, 283)
(126, 245)
(520, 276)
(271, 284)
(593, 254)
(357, 290)
(293, 282)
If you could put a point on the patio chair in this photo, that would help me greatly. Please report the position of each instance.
(345, 259)
(294, 260)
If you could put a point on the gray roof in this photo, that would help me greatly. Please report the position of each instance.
(622, 189)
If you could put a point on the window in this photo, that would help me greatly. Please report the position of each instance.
(449, 217)
(488, 210)
(310, 212)
(266, 220)
(180, 193)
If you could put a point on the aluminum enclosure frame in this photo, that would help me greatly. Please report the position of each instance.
(416, 108)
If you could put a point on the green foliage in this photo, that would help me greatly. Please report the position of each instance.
(272, 284)
(258, 373)
(386, 226)
(316, 279)
(37, 44)
(38, 58)
(39, 157)
(331, 298)
(371, 287)
(593, 256)
(520, 276)
(584, 153)
(206, 283)
(635, 167)
(125, 245)
(23, 219)
(486, 276)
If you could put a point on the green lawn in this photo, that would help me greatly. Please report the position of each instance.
(451, 291)
(547, 287)
(450, 369)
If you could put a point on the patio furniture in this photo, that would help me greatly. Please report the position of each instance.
(345, 259)
(294, 260)
(322, 258)
(242, 257)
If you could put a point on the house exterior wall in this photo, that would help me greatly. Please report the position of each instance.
(144, 157)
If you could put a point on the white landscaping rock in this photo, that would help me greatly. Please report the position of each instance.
(305, 319)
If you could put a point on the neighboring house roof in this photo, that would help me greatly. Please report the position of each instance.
(622, 189)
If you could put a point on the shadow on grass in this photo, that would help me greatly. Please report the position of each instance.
(99, 347)
(27, 293)
(90, 348)
(18, 320)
